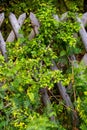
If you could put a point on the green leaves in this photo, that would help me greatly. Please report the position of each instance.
(28, 70)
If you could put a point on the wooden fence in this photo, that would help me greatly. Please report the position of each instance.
(17, 24)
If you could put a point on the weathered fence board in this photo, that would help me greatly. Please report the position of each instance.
(15, 25)
(83, 33)
(84, 19)
(35, 24)
(3, 46)
(11, 36)
(2, 17)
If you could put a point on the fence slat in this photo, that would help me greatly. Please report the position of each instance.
(3, 46)
(34, 22)
(31, 35)
(2, 17)
(83, 33)
(21, 19)
(84, 19)
(47, 102)
(15, 25)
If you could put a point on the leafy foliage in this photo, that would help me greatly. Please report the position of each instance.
(81, 92)
(28, 70)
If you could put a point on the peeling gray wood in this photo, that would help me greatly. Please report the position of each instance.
(47, 102)
(84, 59)
(15, 25)
(11, 36)
(56, 17)
(84, 19)
(83, 33)
(35, 24)
(34, 20)
(31, 35)
(2, 17)
(3, 46)
(62, 89)
(65, 96)
(64, 16)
